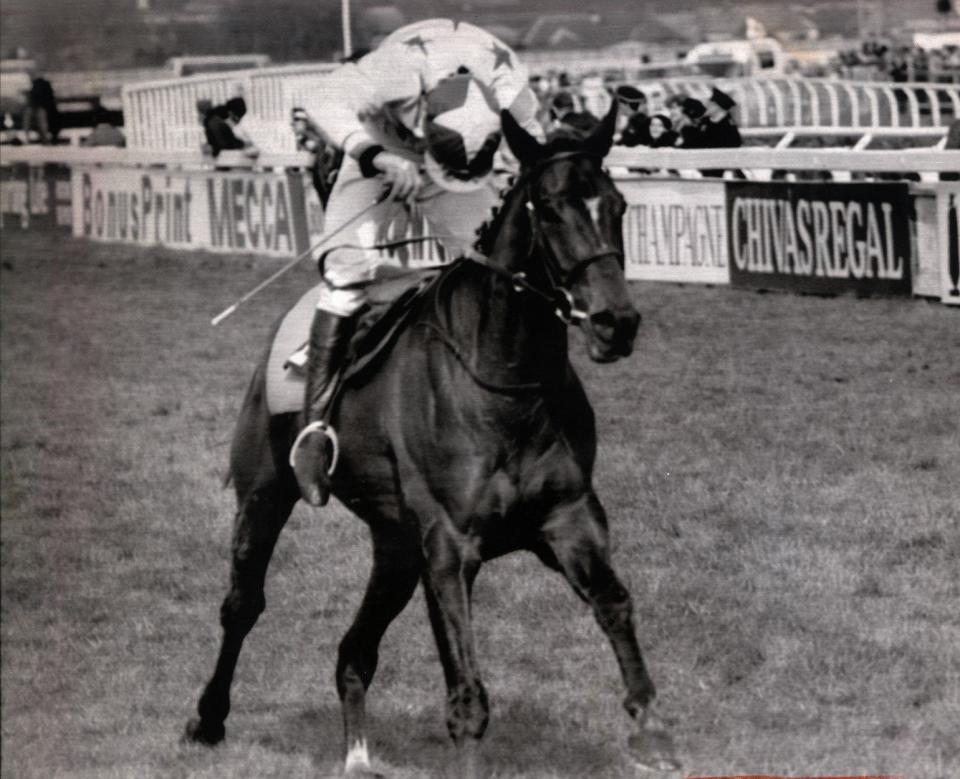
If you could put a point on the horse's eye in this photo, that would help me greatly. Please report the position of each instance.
(550, 211)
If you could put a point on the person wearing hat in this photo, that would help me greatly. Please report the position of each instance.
(221, 126)
(718, 130)
(633, 110)
(418, 121)
(689, 135)
(566, 119)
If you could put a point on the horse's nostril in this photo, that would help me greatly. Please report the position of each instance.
(604, 325)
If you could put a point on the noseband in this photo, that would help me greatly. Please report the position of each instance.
(559, 294)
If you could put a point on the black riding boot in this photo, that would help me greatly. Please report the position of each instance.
(329, 338)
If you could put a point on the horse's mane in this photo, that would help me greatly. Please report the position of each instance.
(558, 142)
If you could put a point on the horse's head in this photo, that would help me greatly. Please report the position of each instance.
(576, 232)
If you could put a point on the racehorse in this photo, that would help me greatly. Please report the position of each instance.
(474, 438)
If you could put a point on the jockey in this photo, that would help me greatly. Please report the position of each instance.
(419, 117)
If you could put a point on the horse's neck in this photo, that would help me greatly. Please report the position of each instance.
(520, 331)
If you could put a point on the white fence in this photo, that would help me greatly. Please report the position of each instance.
(162, 115)
(806, 102)
(926, 161)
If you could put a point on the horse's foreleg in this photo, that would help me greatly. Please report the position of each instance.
(575, 541)
(260, 518)
(448, 582)
(396, 571)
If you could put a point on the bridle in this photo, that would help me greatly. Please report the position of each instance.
(559, 294)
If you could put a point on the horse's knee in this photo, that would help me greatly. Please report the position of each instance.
(356, 666)
(613, 608)
(241, 609)
(468, 711)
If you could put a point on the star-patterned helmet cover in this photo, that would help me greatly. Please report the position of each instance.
(462, 131)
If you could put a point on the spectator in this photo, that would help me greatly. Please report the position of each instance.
(104, 133)
(661, 132)
(41, 112)
(566, 119)
(594, 96)
(222, 130)
(204, 112)
(674, 108)
(633, 115)
(236, 110)
(688, 124)
(718, 130)
(326, 158)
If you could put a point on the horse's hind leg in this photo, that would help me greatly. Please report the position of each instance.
(260, 518)
(574, 540)
(266, 494)
(396, 570)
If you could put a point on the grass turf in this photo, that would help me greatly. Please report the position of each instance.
(782, 475)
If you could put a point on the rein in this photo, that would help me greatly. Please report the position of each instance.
(561, 281)
(558, 295)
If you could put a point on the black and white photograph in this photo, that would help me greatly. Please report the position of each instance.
(479, 389)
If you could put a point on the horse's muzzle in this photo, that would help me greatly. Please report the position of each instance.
(610, 334)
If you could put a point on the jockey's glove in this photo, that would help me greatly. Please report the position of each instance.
(401, 175)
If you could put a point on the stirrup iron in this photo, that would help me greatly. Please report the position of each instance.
(329, 433)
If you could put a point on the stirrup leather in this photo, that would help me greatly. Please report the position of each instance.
(328, 432)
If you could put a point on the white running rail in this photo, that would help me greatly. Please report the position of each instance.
(162, 115)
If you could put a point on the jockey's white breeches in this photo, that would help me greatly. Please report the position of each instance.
(451, 217)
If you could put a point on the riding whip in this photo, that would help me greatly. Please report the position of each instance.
(268, 281)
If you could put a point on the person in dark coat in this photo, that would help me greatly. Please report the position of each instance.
(688, 132)
(221, 127)
(218, 132)
(635, 121)
(717, 129)
(41, 113)
(566, 119)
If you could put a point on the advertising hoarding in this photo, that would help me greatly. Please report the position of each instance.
(237, 212)
(675, 230)
(35, 196)
(820, 237)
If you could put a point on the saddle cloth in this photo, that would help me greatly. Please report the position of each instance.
(391, 303)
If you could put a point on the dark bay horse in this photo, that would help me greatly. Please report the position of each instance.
(474, 439)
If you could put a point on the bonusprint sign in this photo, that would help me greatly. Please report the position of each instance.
(820, 237)
(216, 210)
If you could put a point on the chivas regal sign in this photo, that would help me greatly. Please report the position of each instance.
(821, 238)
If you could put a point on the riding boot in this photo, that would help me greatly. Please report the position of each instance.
(329, 338)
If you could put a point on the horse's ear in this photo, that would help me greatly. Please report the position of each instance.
(601, 139)
(524, 146)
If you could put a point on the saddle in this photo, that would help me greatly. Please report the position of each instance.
(391, 302)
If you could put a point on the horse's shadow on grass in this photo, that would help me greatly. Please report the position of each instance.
(520, 738)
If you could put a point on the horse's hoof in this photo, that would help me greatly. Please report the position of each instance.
(358, 772)
(198, 732)
(653, 750)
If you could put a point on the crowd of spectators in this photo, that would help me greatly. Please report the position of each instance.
(879, 59)
(681, 121)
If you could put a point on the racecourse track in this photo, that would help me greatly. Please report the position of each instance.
(782, 475)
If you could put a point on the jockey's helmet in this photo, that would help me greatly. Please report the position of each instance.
(462, 133)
